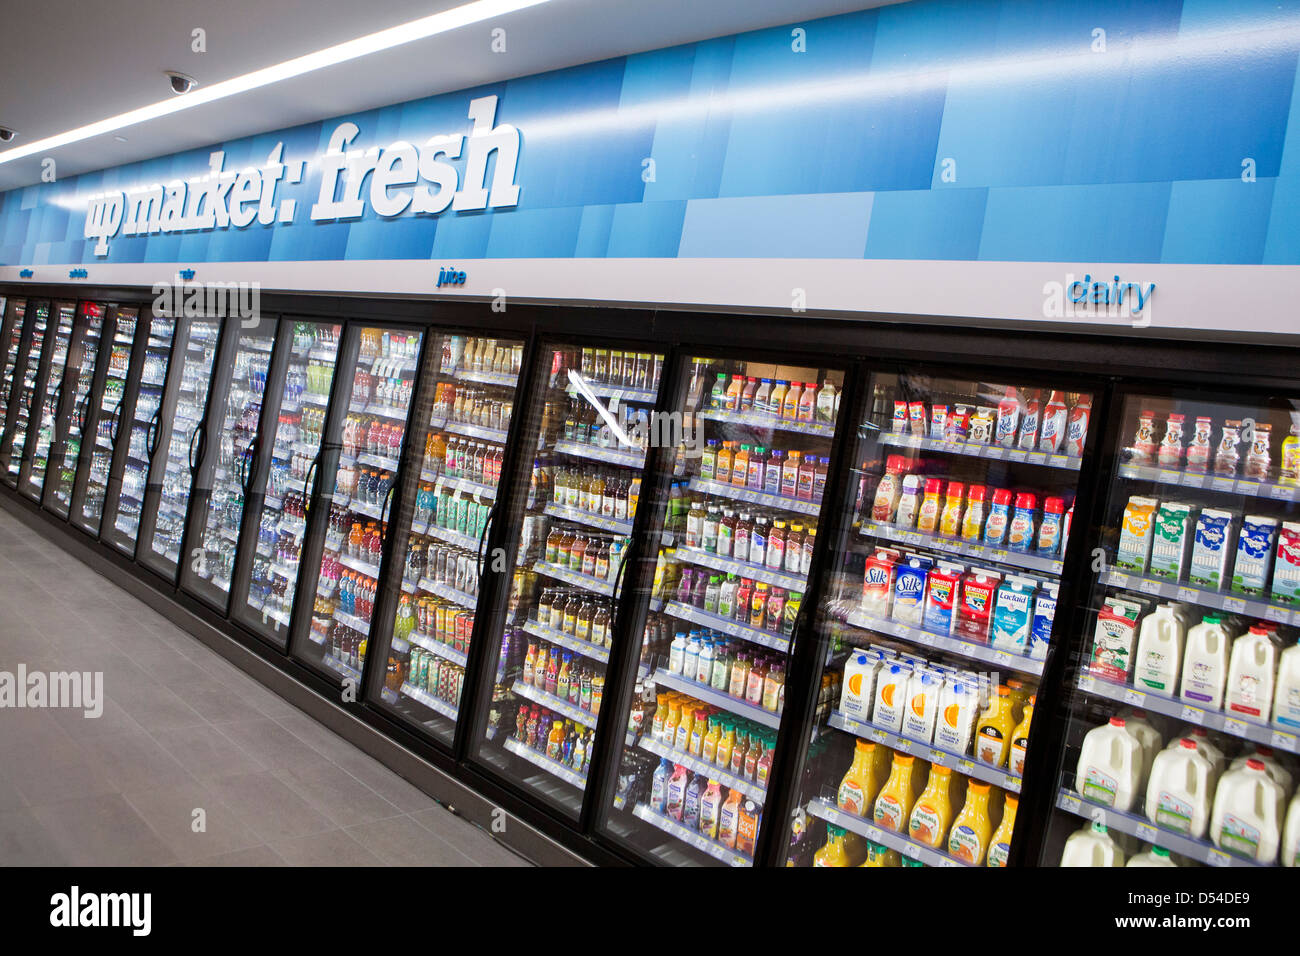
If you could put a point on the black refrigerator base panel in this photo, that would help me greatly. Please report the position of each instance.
(521, 837)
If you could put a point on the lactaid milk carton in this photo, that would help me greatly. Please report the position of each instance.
(1255, 546)
(1286, 569)
(1171, 540)
(1040, 631)
(1013, 614)
(1135, 534)
(1212, 545)
(1115, 638)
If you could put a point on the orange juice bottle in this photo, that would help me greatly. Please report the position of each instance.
(969, 839)
(790, 404)
(709, 746)
(747, 827)
(726, 743)
(740, 466)
(682, 738)
(1020, 739)
(879, 855)
(930, 817)
(722, 469)
(1000, 842)
(672, 720)
(861, 783)
(894, 803)
(833, 853)
(994, 728)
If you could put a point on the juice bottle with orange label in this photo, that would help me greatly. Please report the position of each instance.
(894, 803)
(928, 823)
(722, 465)
(790, 406)
(1000, 842)
(740, 466)
(747, 827)
(859, 787)
(1020, 739)
(879, 855)
(994, 728)
(969, 839)
(729, 819)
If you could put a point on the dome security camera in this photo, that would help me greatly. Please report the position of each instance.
(180, 83)
(7, 135)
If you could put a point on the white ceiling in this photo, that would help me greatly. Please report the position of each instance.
(66, 63)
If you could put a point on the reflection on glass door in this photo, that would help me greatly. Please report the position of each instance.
(427, 640)
(67, 453)
(223, 477)
(16, 321)
(89, 514)
(548, 674)
(268, 599)
(25, 385)
(377, 388)
(181, 432)
(48, 405)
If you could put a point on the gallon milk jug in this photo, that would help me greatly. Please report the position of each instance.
(1286, 697)
(859, 685)
(1272, 766)
(1252, 672)
(1206, 747)
(1247, 818)
(1160, 651)
(1156, 856)
(1205, 663)
(1137, 724)
(1110, 766)
(1091, 846)
(1180, 791)
(1291, 834)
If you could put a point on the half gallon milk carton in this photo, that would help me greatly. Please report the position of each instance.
(941, 597)
(1134, 548)
(1110, 766)
(1286, 570)
(1171, 539)
(1181, 788)
(1212, 545)
(1114, 639)
(1255, 547)
(1040, 632)
(1160, 651)
(1205, 663)
(1252, 673)
(1291, 834)
(1013, 614)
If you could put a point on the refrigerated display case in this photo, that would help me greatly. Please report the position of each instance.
(362, 455)
(936, 619)
(1180, 737)
(734, 554)
(51, 414)
(181, 429)
(69, 454)
(426, 642)
(575, 498)
(105, 418)
(26, 381)
(14, 342)
(278, 502)
(221, 483)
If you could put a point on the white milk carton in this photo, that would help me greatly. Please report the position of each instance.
(1205, 663)
(1013, 615)
(1040, 632)
(1114, 639)
(923, 692)
(1247, 817)
(1134, 549)
(1252, 674)
(959, 708)
(1180, 792)
(1212, 546)
(1091, 846)
(1171, 540)
(1255, 546)
(1110, 766)
(891, 696)
(1286, 695)
(1160, 651)
(1286, 567)
(859, 685)
(1205, 746)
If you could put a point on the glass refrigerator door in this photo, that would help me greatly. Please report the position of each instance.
(935, 621)
(222, 480)
(426, 642)
(361, 467)
(182, 432)
(27, 378)
(1181, 729)
(267, 599)
(51, 412)
(736, 548)
(16, 315)
(67, 452)
(88, 513)
(548, 671)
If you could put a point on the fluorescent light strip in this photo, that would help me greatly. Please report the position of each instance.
(403, 33)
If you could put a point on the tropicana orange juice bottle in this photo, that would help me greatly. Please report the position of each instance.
(1000, 842)
(879, 855)
(861, 783)
(969, 839)
(894, 803)
(928, 823)
(994, 728)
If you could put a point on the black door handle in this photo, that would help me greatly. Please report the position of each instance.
(482, 536)
(307, 485)
(117, 422)
(82, 415)
(198, 431)
(383, 512)
(151, 442)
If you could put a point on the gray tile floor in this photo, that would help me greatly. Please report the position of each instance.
(182, 730)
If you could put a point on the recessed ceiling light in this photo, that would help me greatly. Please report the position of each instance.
(447, 20)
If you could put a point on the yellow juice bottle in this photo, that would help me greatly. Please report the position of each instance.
(672, 720)
(930, 817)
(722, 467)
(1020, 739)
(709, 749)
(880, 855)
(682, 739)
(862, 781)
(994, 728)
(950, 517)
(1000, 842)
(969, 839)
(1020, 694)
(833, 853)
(726, 743)
(894, 803)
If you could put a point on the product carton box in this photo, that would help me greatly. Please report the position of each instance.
(1286, 572)
(1212, 546)
(1013, 614)
(1171, 540)
(1115, 639)
(1135, 534)
(1255, 546)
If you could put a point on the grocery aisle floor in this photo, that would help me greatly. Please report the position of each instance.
(182, 729)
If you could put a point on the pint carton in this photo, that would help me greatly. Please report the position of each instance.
(1171, 539)
(1135, 534)
(1211, 546)
(1255, 547)
(1286, 570)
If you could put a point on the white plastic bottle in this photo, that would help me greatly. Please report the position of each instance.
(1205, 663)
(1110, 766)
(1091, 846)
(1252, 674)
(1286, 695)
(1272, 765)
(1160, 651)
(1291, 834)
(1154, 856)
(1206, 746)
(1137, 724)
(1182, 785)
(1247, 818)
(859, 685)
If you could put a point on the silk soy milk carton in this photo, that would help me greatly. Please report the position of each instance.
(1171, 538)
(1211, 546)
(1135, 534)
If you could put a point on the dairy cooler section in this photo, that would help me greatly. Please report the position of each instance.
(24, 388)
(67, 454)
(88, 512)
(936, 621)
(1183, 730)
(48, 405)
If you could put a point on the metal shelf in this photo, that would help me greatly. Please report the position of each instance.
(966, 549)
(438, 648)
(941, 642)
(1202, 597)
(553, 767)
(428, 700)
(613, 456)
(768, 422)
(695, 615)
(595, 585)
(619, 526)
(713, 848)
(736, 493)
(1249, 487)
(744, 569)
(568, 641)
(706, 693)
(825, 810)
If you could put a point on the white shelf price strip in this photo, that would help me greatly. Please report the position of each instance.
(688, 836)
(967, 649)
(832, 814)
(1182, 591)
(546, 763)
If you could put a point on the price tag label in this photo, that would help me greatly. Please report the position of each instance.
(1037, 458)
(873, 833)
(1134, 697)
(879, 736)
(913, 537)
(1222, 484)
(1146, 831)
(1281, 493)
(1193, 481)
(1071, 804)
(1011, 782)
(1119, 580)
(1191, 713)
(1148, 586)
(1016, 455)
(966, 766)
(1188, 594)
(997, 451)
(912, 850)
(1234, 604)
(1284, 740)
(1277, 614)
(1002, 657)
(1234, 726)
(903, 744)
(998, 554)
(1165, 476)
(1087, 683)
(941, 758)
(1217, 858)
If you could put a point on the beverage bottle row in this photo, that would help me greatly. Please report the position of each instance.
(438, 619)
(593, 555)
(1019, 421)
(340, 526)
(776, 398)
(472, 405)
(598, 491)
(279, 595)
(479, 354)
(376, 388)
(287, 549)
(428, 672)
(639, 370)
(704, 806)
(307, 336)
(463, 458)
(364, 541)
(306, 426)
(577, 613)
(367, 485)
(373, 436)
(582, 424)
(730, 743)
(730, 666)
(357, 594)
(293, 505)
(563, 674)
(347, 645)
(443, 563)
(788, 474)
(318, 378)
(446, 507)
(1228, 460)
(397, 347)
(762, 538)
(758, 605)
(555, 737)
